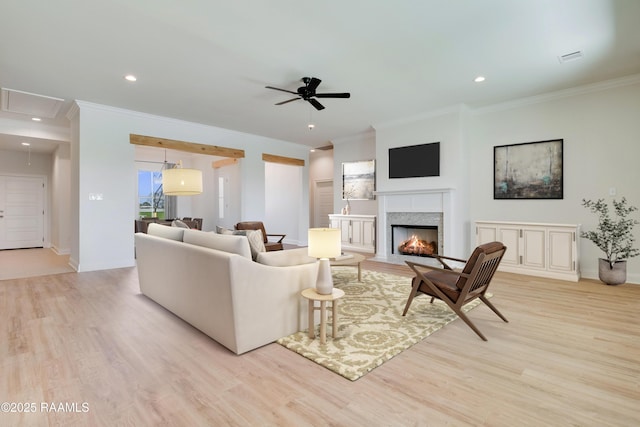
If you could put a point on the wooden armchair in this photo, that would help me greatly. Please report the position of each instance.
(258, 225)
(457, 288)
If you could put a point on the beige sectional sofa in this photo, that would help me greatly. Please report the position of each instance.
(210, 281)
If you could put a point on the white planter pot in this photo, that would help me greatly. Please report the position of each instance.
(612, 276)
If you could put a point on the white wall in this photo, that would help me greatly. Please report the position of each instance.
(320, 169)
(60, 202)
(15, 163)
(232, 189)
(104, 160)
(283, 189)
(448, 128)
(601, 132)
(354, 149)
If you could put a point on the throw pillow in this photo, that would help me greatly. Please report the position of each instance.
(256, 242)
(255, 238)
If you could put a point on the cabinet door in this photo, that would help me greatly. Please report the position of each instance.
(533, 247)
(345, 231)
(485, 233)
(510, 237)
(561, 251)
(356, 232)
(369, 234)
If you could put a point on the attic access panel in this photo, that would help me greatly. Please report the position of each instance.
(16, 101)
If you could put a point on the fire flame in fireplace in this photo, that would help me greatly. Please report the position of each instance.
(415, 246)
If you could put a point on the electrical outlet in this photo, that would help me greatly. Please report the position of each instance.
(612, 191)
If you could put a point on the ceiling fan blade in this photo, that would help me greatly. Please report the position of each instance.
(289, 100)
(333, 95)
(316, 104)
(283, 90)
(313, 84)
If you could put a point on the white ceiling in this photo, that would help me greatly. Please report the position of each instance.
(209, 61)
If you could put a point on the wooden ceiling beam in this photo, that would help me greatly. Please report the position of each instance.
(190, 147)
(282, 160)
(224, 162)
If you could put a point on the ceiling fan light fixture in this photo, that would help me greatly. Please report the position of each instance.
(308, 93)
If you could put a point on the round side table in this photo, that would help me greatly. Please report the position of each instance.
(333, 298)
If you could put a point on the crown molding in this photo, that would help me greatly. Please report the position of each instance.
(561, 94)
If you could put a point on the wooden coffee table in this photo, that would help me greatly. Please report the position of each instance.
(353, 261)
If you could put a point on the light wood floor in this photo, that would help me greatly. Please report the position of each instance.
(570, 356)
(17, 263)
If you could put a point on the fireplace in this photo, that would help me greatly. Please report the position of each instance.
(419, 234)
(414, 240)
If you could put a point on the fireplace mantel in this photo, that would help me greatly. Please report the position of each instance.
(407, 192)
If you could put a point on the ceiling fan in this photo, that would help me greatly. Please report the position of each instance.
(308, 93)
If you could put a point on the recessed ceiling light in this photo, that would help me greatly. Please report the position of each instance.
(130, 77)
(36, 119)
(26, 144)
(479, 79)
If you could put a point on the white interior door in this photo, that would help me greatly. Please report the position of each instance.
(323, 203)
(21, 212)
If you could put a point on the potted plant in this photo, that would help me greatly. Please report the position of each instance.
(614, 237)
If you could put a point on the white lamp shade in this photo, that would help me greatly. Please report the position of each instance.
(324, 242)
(181, 182)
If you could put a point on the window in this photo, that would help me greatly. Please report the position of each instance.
(151, 199)
(221, 197)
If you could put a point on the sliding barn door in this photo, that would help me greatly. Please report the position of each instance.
(21, 212)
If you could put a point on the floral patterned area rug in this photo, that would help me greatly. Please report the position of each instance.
(371, 328)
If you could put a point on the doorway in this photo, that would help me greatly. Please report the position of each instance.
(322, 203)
(21, 212)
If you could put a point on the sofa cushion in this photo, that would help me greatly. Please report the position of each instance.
(227, 243)
(173, 233)
(255, 238)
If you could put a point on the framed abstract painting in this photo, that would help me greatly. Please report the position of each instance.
(531, 170)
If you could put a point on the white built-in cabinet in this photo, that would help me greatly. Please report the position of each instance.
(358, 231)
(537, 249)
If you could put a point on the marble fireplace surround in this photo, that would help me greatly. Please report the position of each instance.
(418, 207)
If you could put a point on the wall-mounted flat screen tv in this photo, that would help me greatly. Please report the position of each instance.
(415, 161)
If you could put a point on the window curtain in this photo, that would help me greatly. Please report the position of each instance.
(170, 202)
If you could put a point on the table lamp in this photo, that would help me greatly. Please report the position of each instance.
(324, 243)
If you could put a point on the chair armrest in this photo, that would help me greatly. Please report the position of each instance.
(440, 259)
(282, 236)
(448, 257)
(416, 268)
